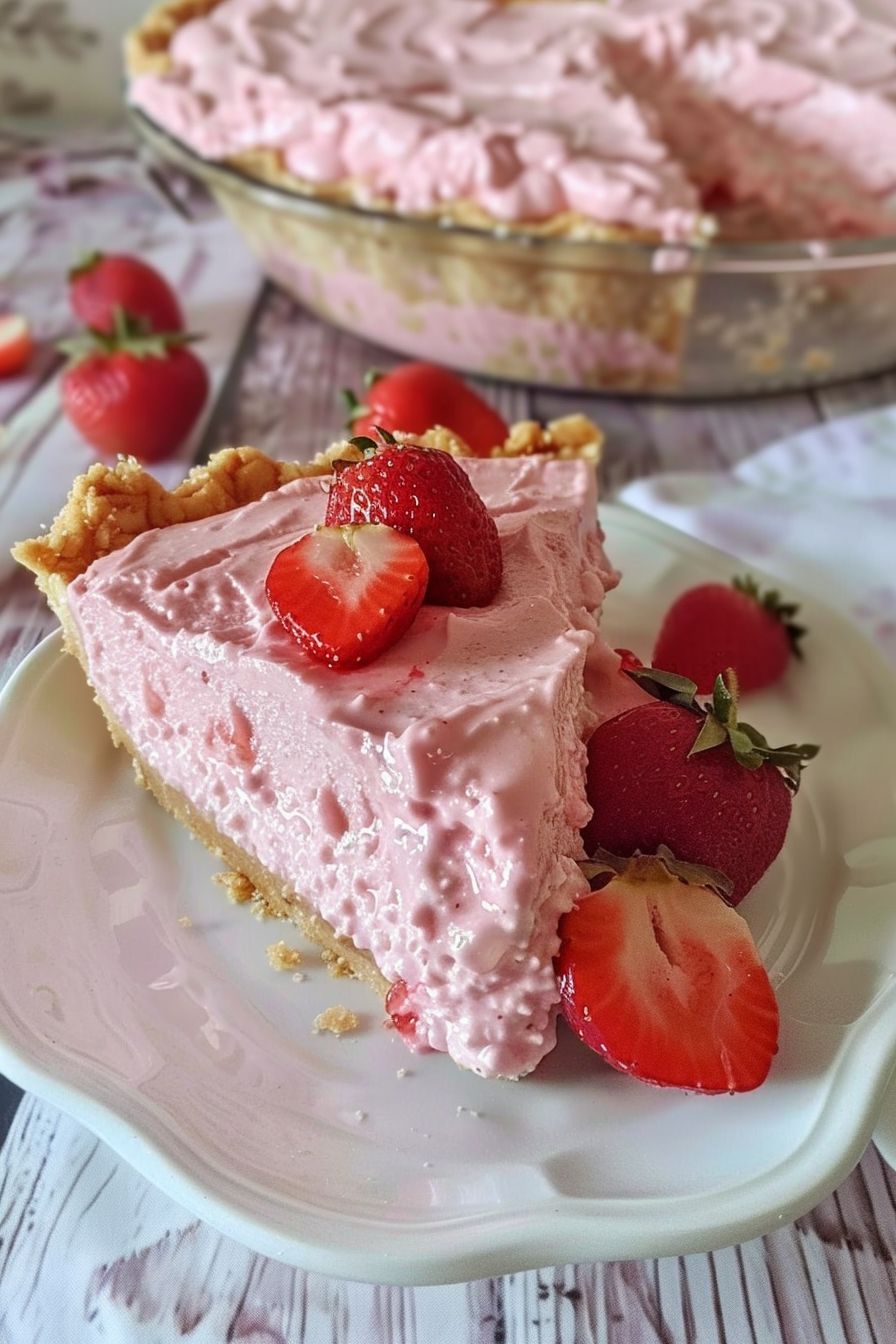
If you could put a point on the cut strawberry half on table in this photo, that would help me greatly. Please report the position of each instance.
(16, 344)
(662, 978)
(346, 594)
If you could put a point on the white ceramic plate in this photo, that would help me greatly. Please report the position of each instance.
(133, 995)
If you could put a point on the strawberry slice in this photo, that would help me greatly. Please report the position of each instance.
(401, 1013)
(663, 979)
(346, 594)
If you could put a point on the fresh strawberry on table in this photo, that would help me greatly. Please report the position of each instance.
(103, 282)
(715, 626)
(417, 397)
(663, 979)
(346, 594)
(133, 394)
(16, 344)
(424, 493)
(674, 772)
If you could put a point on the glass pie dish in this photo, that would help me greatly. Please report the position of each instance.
(670, 320)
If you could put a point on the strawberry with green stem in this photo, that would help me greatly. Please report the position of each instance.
(692, 777)
(133, 393)
(104, 282)
(714, 626)
(427, 495)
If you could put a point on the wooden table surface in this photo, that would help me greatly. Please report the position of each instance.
(828, 1278)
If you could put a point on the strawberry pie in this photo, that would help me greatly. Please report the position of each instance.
(526, 189)
(416, 807)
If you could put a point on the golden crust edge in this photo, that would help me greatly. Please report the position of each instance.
(110, 505)
(146, 45)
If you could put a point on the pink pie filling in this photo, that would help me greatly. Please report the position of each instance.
(780, 114)
(428, 804)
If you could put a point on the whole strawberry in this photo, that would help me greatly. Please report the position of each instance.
(662, 978)
(716, 626)
(425, 494)
(133, 394)
(102, 283)
(418, 396)
(673, 773)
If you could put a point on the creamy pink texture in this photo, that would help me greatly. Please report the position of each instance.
(468, 336)
(630, 112)
(428, 804)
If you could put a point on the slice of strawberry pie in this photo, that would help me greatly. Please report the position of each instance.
(417, 813)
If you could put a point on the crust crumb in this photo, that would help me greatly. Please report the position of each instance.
(570, 436)
(109, 506)
(238, 887)
(262, 908)
(282, 957)
(338, 1020)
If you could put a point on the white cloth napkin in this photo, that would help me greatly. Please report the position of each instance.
(817, 510)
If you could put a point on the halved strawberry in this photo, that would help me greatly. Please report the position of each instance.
(16, 344)
(346, 594)
(663, 979)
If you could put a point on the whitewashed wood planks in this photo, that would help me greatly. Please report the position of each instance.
(69, 1208)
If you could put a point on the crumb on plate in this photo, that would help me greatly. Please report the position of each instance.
(339, 1020)
(282, 957)
(237, 885)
